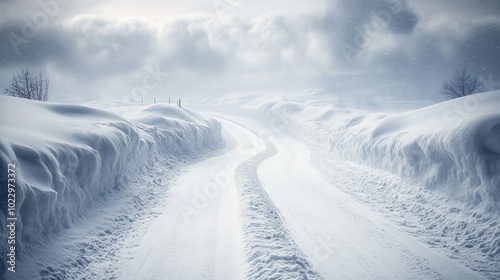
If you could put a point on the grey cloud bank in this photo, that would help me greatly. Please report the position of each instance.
(383, 47)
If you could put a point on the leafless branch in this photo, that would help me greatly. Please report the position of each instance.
(462, 84)
(29, 86)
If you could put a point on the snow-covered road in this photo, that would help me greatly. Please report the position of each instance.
(259, 210)
(343, 238)
(199, 233)
(206, 230)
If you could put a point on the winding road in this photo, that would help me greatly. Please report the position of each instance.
(258, 210)
(262, 211)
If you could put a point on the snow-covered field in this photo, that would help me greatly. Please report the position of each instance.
(281, 186)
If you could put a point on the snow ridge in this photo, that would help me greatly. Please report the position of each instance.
(442, 176)
(70, 157)
(271, 252)
(457, 154)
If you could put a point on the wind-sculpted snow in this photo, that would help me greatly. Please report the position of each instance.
(445, 147)
(460, 157)
(69, 157)
(447, 155)
(435, 170)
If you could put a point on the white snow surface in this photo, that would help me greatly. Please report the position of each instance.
(298, 186)
(452, 147)
(434, 170)
(71, 157)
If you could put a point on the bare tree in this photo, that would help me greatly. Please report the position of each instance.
(30, 86)
(462, 84)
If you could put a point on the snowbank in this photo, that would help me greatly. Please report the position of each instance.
(434, 170)
(452, 147)
(445, 159)
(69, 157)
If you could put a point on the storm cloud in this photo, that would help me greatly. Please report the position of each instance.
(104, 49)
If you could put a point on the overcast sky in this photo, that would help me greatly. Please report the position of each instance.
(112, 49)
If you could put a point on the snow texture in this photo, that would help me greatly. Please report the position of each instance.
(69, 157)
(271, 252)
(434, 170)
(452, 147)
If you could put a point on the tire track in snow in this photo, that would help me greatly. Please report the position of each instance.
(271, 252)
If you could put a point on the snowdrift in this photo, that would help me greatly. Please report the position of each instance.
(445, 161)
(452, 147)
(434, 170)
(69, 157)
